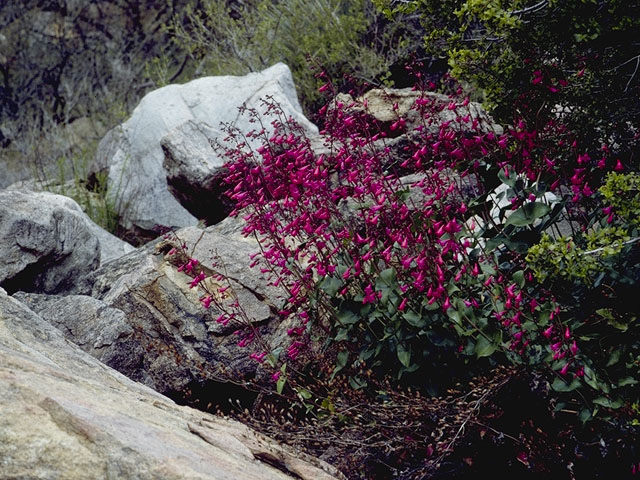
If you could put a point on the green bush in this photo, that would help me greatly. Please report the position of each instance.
(574, 59)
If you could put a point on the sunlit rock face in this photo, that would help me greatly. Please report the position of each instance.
(48, 244)
(67, 415)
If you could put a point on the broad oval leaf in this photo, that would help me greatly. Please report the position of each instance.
(608, 403)
(404, 355)
(527, 214)
(347, 317)
(414, 319)
(484, 347)
(560, 385)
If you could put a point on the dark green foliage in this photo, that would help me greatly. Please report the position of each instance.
(578, 60)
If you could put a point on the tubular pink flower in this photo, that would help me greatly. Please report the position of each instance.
(196, 281)
(206, 301)
(403, 305)
(446, 305)
(565, 369)
(574, 348)
(258, 357)
(619, 167)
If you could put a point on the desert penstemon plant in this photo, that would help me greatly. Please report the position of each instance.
(414, 260)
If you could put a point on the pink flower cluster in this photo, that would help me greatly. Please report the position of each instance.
(350, 214)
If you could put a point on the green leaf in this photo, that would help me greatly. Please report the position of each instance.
(430, 307)
(403, 355)
(272, 358)
(510, 180)
(519, 247)
(585, 415)
(357, 383)
(593, 381)
(518, 277)
(328, 405)
(560, 385)
(366, 354)
(623, 327)
(388, 276)
(341, 361)
(627, 381)
(527, 214)
(556, 211)
(455, 316)
(452, 288)
(605, 313)
(608, 403)
(343, 334)
(414, 319)
(403, 195)
(347, 317)
(331, 285)
(614, 358)
(280, 384)
(484, 347)
(304, 393)
(387, 297)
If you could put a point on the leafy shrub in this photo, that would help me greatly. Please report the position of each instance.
(595, 275)
(550, 57)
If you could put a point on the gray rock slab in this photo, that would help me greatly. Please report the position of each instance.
(110, 246)
(170, 340)
(66, 415)
(46, 242)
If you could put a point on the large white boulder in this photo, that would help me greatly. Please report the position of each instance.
(133, 156)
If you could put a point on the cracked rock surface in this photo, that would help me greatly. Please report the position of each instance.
(145, 321)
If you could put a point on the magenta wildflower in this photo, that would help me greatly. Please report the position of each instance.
(197, 279)
(619, 167)
(258, 357)
(206, 301)
(563, 371)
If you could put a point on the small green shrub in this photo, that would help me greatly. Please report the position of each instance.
(71, 180)
(563, 259)
(341, 36)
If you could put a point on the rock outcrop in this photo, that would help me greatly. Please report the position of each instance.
(48, 244)
(133, 155)
(194, 170)
(387, 105)
(66, 415)
(145, 321)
